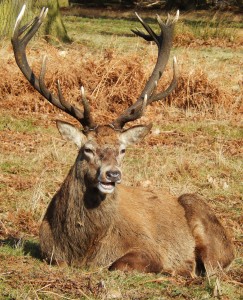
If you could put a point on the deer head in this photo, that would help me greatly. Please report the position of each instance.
(102, 147)
(101, 152)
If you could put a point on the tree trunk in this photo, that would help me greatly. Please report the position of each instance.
(9, 10)
(53, 28)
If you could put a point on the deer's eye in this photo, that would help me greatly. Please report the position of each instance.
(122, 151)
(88, 151)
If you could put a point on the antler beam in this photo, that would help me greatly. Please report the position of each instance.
(164, 44)
(19, 42)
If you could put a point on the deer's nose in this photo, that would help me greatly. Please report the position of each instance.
(113, 175)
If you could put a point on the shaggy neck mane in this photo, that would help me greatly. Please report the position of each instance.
(80, 216)
(82, 212)
(84, 203)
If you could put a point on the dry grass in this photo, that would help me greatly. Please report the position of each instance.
(112, 82)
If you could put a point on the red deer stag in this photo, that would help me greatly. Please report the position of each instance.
(93, 220)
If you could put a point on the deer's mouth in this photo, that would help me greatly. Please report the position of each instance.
(106, 187)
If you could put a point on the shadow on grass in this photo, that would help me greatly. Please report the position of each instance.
(29, 247)
(32, 248)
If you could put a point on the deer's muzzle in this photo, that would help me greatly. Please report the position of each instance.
(107, 179)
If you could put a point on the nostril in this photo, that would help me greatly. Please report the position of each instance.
(113, 175)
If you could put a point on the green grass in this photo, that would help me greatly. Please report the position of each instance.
(106, 29)
(20, 125)
(15, 165)
(103, 26)
(20, 247)
(219, 27)
(102, 32)
(11, 249)
(216, 129)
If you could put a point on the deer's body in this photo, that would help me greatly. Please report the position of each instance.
(124, 222)
(92, 220)
(149, 227)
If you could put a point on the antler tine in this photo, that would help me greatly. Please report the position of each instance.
(152, 36)
(139, 33)
(87, 115)
(19, 46)
(59, 101)
(171, 87)
(164, 43)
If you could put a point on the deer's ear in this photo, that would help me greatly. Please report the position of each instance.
(71, 133)
(134, 134)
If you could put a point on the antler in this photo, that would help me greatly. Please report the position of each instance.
(164, 43)
(19, 46)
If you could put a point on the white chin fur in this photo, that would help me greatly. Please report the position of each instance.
(105, 188)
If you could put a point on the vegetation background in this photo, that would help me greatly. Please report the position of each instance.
(195, 145)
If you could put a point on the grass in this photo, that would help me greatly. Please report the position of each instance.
(189, 150)
(113, 33)
(9, 122)
(108, 26)
(44, 281)
(219, 26)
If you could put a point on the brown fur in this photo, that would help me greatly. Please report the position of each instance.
(129, 229)
(213, 248)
